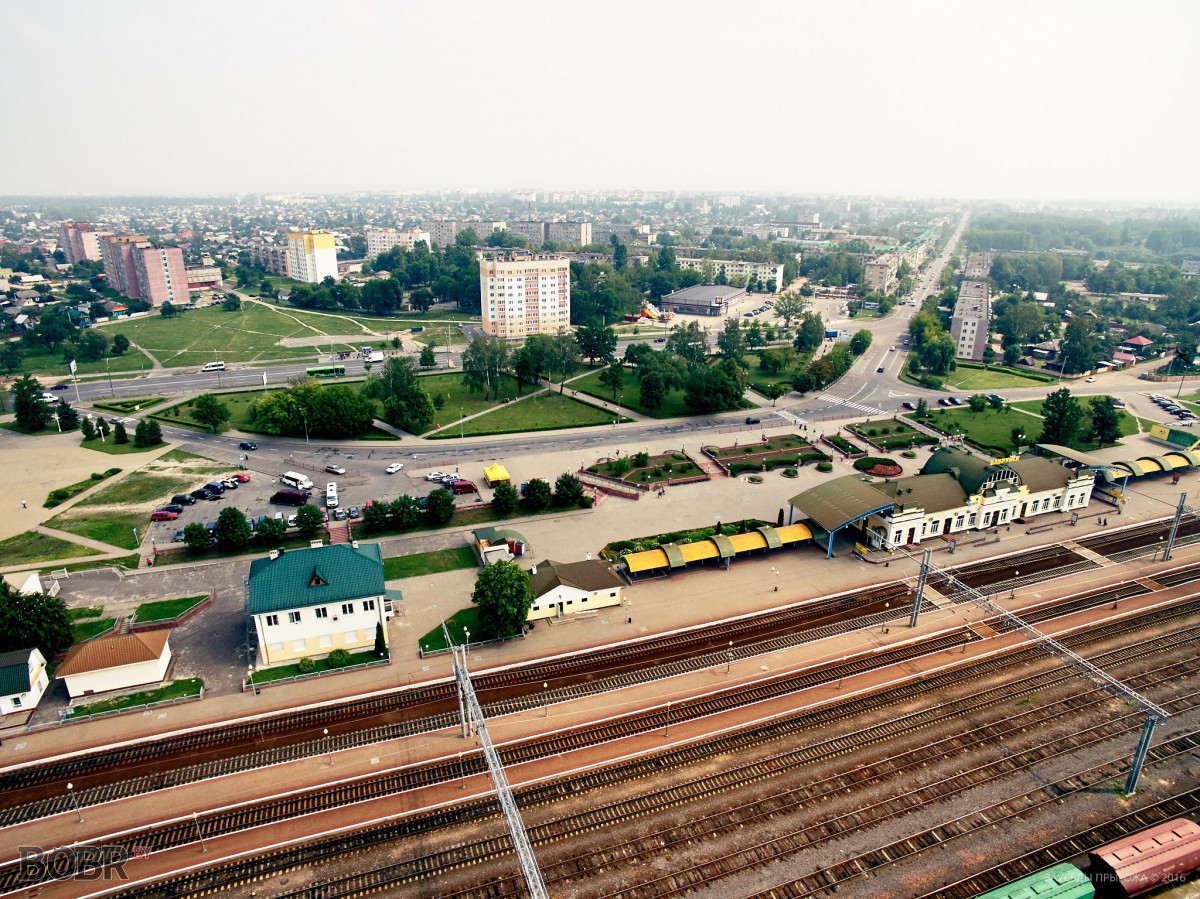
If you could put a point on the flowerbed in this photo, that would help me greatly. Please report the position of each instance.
(789, 450)
(844, 446)
(649, 469)
(883, 468)
(891, 435)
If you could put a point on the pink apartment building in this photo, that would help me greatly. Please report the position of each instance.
(119, 269)
(161, 275)
(79, 241)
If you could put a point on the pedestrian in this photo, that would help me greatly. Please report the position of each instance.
(629, 621)
(24, 505)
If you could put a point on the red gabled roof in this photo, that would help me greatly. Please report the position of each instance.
(113, 652)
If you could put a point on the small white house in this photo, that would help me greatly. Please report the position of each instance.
(308, 602)
(567, 588)
(23, 680)
(116, 662)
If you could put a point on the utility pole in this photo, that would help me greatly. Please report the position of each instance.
(1139, 756)
(920, 594)
(1174, 527)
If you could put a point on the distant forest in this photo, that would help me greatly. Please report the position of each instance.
(1129, 240)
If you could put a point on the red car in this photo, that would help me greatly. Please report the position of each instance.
(163, 515)
(241, 477)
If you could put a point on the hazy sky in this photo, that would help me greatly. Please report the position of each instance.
(1025, 100)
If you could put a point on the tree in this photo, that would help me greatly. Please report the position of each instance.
(524, 367)
(568, 491)
(375, 517)
(210, 412)
(652, 390)
(860, 342)
(270, 531)
(233, 531)
(88, 429)
(484, 362)
(102, 426)
(689, 342)
(439, 506)
(380, 644)
(977, 401)
(421, 299)
(564, 358)
(731, 342)
(68, 418)
(309, 520)
(427, 360)
(995, 401)
(1012, 353)
(596, 342)
(167, 310)
(10, 357)
(1106, 421)
(147, 433)
(536, 495)
(196, 537)
(810, 333)
(33, 620)
(233, 302)
(922, 409)
(614, 377)
(32, 412)
(1062, 418)
(403, 513)
(754, 335)
(1079, 350)
(120, 343)
(503, 595)
(788, 306)
(937, 354)
(504, 500)
(119, 433)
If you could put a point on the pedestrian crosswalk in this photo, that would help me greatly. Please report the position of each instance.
(837, 400)
(790, 416)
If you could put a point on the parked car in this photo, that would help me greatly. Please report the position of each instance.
(215, 487)
(660, 340)
(954, 401)
(448, 479)
(178, 538)
(248, 445)
(751, 420)
(910, 406)
(353, 512)
(279, 516)
(241, 477)
(291, 521)
(163, 515)
(339, 515)
(1091, 379)
(184, 499)
(879, 370)
(229, 483)
(173, 507)
(202, 493)
(59, 387)
(335, 469)
(943, 401)
(434, 476)
(459, 487)
(394, 467)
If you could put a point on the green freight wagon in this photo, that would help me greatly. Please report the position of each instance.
(1060, 882)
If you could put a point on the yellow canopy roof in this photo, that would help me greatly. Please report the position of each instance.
(698, 551)
(745, 542)
(495, 473)
(794, 533)
(648, 560)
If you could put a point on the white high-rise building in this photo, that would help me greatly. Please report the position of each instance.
(380, 240)
(523, 295)
(311, 256)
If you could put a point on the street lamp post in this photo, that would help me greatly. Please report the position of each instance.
(304, 418)
(729, 659)
(74, 801)
(250, 677)
(667, 728)
(545, 700)
(328, 747)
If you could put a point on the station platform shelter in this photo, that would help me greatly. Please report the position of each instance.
(720, 548)
(838, 505)
(1113, 477)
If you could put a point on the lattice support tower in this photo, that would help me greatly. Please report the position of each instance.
(956, 590)
(472, 716)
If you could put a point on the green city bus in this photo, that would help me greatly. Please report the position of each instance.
(326, 371)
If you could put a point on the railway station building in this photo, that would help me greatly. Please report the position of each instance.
(306, 603)
(954, 492)
(568, 588)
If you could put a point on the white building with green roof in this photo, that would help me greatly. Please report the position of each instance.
(306, 603)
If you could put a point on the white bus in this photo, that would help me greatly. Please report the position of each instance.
(213, 366)
(331, 500)
(296, 480)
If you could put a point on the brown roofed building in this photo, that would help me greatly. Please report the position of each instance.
(566, 588)
(116, 662)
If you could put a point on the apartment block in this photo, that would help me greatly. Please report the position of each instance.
(80, 242)
(269, 257)
(970, 324)
(769, 274)
(444, 231)
(978, 265)
(161, 275)
(523, 295)
(381, 240)
(311, 256)
(603, 233)
(116, 251)
(203, 277)
(534, 232)
(572, 233)
(880, 273)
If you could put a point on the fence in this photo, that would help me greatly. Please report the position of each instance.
(613, 486)
(310, 466)
(247, 686)
(136, 626)
(66, 717)
(428, 653)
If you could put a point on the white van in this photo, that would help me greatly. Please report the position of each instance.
(295, 480)
(331, 500)
(213, 366)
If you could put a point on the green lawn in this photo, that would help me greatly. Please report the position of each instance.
(891, 434)
(281, 672)
(972, 378)
(238, 403)
(60, 495)
(755, 376)
(127, 406)
(539, 413)
(167, 609)
(92, 612)
(992, 431)
(180, 689)
(31, 547)
(630, 395)
(654, 471)
(41, 362)
(429, 563)
(468, 618)
(112, 448)
(115, 529)
(459, 401)
(86, 629)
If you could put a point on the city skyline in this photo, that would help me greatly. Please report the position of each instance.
(1007, 102)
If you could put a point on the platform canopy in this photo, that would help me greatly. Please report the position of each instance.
(839, 503)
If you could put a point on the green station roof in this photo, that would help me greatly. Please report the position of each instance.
(300, 578)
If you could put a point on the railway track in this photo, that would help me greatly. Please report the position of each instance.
(1135, 541)
(644, 846)
(249, 870)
